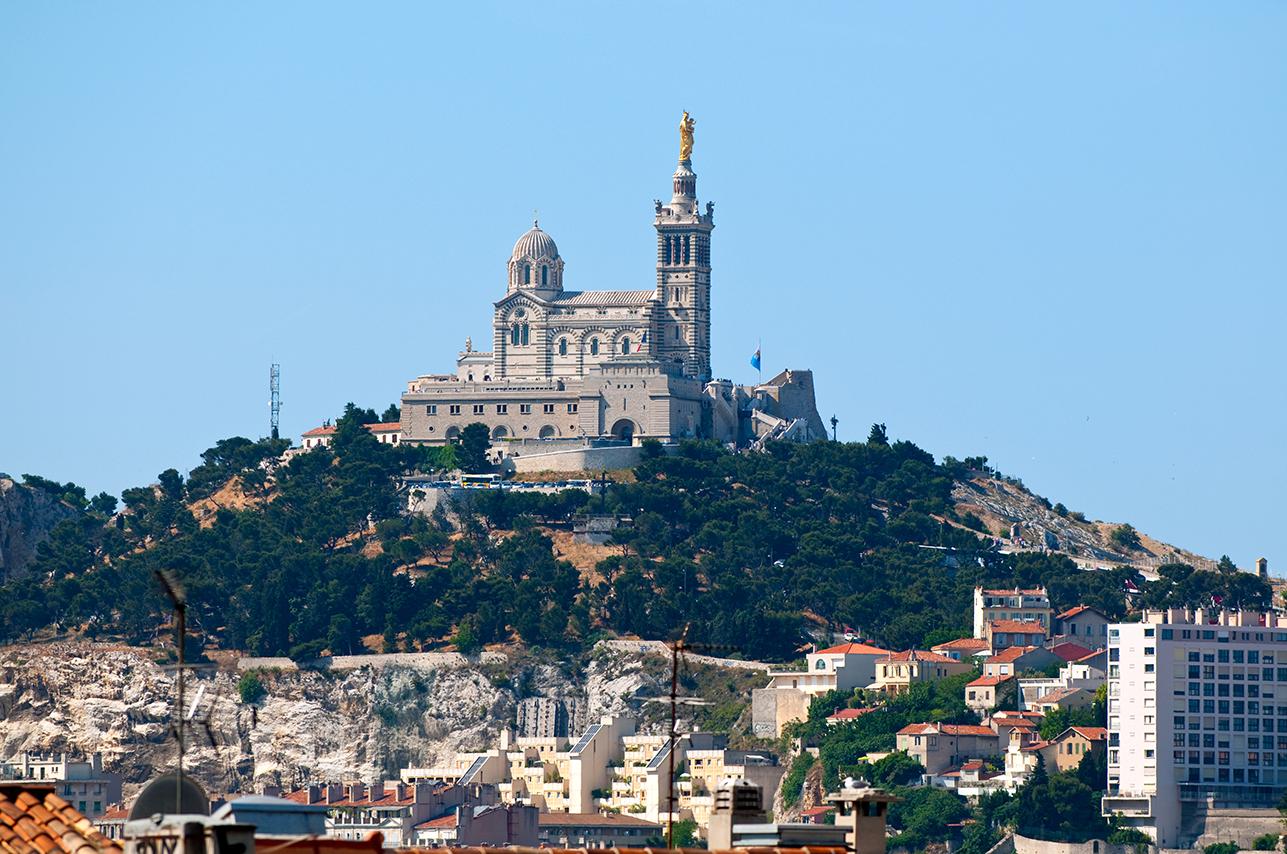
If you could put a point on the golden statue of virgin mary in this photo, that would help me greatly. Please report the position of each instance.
(686, 125)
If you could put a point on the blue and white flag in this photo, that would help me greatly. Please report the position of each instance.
(755, 360)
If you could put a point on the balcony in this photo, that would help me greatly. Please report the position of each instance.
(1129, 806)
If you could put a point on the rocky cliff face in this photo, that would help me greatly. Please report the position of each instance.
(363, 723)
(26, 517)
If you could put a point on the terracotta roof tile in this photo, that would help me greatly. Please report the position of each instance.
(920, 655)
(963, 644)
(33, 820)
(853, 649)
(987, 681)
(1070, 651)
(1079, 609)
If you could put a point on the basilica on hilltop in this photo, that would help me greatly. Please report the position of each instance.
(570, 367)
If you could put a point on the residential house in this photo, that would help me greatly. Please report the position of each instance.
(1064, 752)
(1075, 674)
(898, 671)
(1014, 660)
(815, 815)
(844, 716)
(497, 825)
(393, 808)
(1002, 634)
(705, 769)
(786, 698)
(970, 780)
(1063, 698)
(1031, 605)
(81, 782)
(596, 830)
(962, 649)
(1083, 623)
(988, 692)
(940, 747)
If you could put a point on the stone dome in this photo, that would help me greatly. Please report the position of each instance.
(535, 244)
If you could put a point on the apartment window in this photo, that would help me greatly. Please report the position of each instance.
(572, 407)
(454, 409)
(478, 409)
(431, 409)
(525, 409)
(502, 408)
(548, 409)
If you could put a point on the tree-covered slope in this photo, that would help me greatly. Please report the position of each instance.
(753, 551)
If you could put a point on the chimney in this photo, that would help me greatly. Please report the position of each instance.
(1262, 568)
(736, 802)
(862, 810)
(314, 793)
(334, 793)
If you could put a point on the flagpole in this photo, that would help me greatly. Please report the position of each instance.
(760, 366)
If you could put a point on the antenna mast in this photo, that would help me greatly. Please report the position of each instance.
(179, 599)
(275, 392)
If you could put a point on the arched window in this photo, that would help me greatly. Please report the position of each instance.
(594, 346)
(665, 250)
(527, 274)
(563, 346)
(685, 248)
(625, 345)
(513, 335)
(526, 340)
(545, 275)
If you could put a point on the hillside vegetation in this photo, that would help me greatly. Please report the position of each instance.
(756, 552)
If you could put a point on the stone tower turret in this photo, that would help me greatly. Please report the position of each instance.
(682, 329)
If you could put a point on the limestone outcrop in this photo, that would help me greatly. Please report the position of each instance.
(356, 723)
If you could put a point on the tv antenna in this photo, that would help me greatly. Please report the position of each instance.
(179, 600)
(677, 649)
(275, 398)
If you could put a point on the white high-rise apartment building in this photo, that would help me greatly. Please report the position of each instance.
(1197, 719)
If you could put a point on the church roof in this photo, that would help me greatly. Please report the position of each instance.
(535, 243)
(604, 298)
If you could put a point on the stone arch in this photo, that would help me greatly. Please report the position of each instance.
(500, 432)
(624, 429)
(548, 432)
(453, 433)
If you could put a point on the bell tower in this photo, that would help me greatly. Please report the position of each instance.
(682, 328)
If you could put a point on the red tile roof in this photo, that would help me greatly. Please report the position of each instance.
(1010, 653)
(1056, 695)
(987, 681)
(1091, 733)
(946, 729)
(448, 820)
(812, 849)
(378, 427)
(853, 649)
(1079, 609)
(974, 644)
(1070, 651)
(849, 714)
(919, 655)
(811, 811)
(33, 820)
(972, 765)
(591, 819)
(1018, 627)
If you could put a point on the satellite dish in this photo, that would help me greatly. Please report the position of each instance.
(159, 797)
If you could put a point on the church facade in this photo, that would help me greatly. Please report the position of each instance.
(571, 366)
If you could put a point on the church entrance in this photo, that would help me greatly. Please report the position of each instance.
(624, 430)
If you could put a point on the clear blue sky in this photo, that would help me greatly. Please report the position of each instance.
(1054, 235)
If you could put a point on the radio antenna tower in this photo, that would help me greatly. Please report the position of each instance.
(275, 391)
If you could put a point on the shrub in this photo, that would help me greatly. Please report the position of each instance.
(1126, 537)
(250, 688)
(1268, 842)
(1221, 848)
